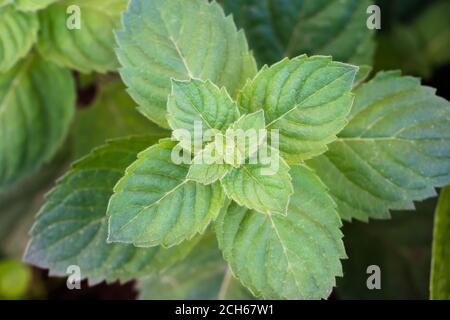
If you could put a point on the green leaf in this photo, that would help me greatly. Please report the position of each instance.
(90, 48)
(201, 275)
(207, 166)
(306, 99)
(111, 115)
(36, 107)
(440, 265)
(265, 187)
(17, 36)
(293, 257)
(401, 49)
(155, 204)
(395, 149)
(165, 39)
(280, 28)
(71, 229)
(433, 28)
(32, 5)
(202, 103)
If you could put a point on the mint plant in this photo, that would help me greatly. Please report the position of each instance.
(225, 219)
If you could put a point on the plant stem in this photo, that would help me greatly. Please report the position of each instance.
(225, 283)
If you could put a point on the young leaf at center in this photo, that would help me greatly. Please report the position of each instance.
(199, 103)
(208, 166)
(242, 139)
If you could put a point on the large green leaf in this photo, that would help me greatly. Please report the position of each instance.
(111, 115)
(280, 28)
(90, 48)
(307, 99)
(36, 107)
(32, 5)
(395, 149)
(18, 32)
(201, 275)
(179, 39)
(71, 229)
(295, 256)
(155, 204)
(440, 265)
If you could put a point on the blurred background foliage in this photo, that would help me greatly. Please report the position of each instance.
(415, 37)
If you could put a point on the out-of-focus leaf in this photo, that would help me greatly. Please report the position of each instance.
(4, 2)
(393, 11)
(37, 103)
(440, 266)
(15, 278)
(112, 115)
(19, 204)
(18, 32)
(31, 5)
(419, 47)
(90, 48)
(401, 49)
(278, 28)
(400, 247)
(433, 27)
